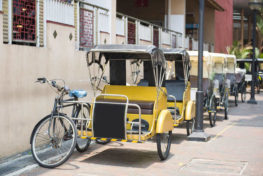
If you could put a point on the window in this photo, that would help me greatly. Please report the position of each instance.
(24, 21)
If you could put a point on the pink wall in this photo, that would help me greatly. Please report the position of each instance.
(224, 26)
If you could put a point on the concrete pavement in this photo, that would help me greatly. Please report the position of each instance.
(236, 148)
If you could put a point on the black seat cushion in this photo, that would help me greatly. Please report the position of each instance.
(175, 88)
(146, 106)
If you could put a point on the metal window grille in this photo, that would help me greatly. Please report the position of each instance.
(131, 32)
(24, 21)
(86, 28)
(156, 37)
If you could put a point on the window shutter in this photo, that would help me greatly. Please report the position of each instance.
(76, 21)
(41, 23)
(5, 21)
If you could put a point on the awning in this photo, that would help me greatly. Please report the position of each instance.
(215, 5)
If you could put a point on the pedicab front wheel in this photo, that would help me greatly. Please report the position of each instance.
(163, 144)
(53, 140)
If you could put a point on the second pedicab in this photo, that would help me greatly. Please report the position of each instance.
(179, 87)
(210, 101)
(221, 85)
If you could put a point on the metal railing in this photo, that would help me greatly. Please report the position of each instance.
(144, 31)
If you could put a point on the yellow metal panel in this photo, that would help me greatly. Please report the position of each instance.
(190, 110)
(165, 122)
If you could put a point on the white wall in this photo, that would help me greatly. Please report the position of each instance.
(102, 3)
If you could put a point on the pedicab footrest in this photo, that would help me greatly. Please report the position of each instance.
(109, 120)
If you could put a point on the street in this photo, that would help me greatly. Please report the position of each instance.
(235, 148)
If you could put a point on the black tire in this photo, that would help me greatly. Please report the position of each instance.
(55, 142)
(83, 144)
(243, 93)
(226, 107)
(236, 97)
(163, 151)
(102, 142)
(212, 111)
(190, 126)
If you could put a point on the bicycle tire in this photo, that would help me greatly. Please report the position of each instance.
(54, 144)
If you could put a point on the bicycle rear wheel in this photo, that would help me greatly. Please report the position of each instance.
(53, 140)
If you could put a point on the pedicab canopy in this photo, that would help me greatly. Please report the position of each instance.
(231, 68)
(230, 63)
(116, 56)
(207, 69)
(218, 66)
(178, 64)
(218, 62)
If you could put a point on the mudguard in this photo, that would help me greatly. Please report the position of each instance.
(165, 122)
(190, 110)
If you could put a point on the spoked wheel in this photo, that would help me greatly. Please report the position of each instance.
(190, 126)
(103, 142)
(164, 144)
(226, 107)
(83, 143)
(212, 112)
(243, 95)
(53, 140)
(236, 97)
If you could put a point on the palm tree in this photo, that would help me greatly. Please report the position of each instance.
(260, 30)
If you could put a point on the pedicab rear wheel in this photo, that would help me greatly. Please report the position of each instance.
(53, 140)
(243, 93)
(212, 112)
(163, 141)
(190, 126)
(236, 98)
(226, 107)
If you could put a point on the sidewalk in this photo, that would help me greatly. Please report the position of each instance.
(235, 148)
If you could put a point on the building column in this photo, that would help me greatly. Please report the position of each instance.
(177, 17)
(113, 21)
(249, 29)
(242, 28)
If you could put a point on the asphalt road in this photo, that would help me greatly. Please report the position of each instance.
(235, 148)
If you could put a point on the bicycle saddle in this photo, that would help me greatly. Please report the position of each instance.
(78, 93)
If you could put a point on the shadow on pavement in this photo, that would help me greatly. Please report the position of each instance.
(125, 158)
(253, 122)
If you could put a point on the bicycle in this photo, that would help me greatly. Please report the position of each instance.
(54, 137)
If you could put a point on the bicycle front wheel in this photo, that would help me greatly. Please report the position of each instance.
(53, 140)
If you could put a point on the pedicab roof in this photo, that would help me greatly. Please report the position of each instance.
(129, 51)
(218, 57)
(194, 56)
(175, 54)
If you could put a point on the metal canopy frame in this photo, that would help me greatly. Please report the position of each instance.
(179, 55)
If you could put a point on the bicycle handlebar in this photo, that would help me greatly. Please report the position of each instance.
(53, 84)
